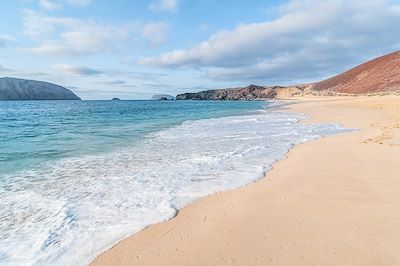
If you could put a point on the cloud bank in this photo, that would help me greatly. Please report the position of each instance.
(4, 39)
(164, 5)
(74, 70)
(68, 36)
(155, 33)
(309, 39)
(53, 5)
(79, 3)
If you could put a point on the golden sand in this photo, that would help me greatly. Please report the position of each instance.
(334, 201)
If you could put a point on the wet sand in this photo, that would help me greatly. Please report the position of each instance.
(334, 201)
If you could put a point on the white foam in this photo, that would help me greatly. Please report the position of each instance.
(69, 211)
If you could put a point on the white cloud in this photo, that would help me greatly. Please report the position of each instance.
(53, 4)
(21, 73)
(49, 5)
(79, 3)
(5, 39)
(308, 39)
(115, 82)
(70, 36)
(155, 33)
(4, 70)
(74, 37)
(39, 26)
(164, 5)
(74, 70)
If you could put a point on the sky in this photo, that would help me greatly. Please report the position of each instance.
(133, 49)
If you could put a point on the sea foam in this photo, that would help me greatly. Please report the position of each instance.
(66, 212)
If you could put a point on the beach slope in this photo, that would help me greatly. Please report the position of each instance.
(334, 201)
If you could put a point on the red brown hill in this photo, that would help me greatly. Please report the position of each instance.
(381, 74)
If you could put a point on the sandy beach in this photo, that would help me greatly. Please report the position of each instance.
(334, 201)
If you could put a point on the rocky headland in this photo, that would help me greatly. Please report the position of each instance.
(378, 76)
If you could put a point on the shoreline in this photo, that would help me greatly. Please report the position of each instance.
(254, 224)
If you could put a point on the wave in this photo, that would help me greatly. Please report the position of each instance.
(68, 211)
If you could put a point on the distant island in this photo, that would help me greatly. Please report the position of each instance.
(115, 99)
(162, 97)
(12, 89)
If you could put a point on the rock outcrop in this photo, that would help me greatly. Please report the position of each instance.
(163, 97)
(21, 89)
(251, 92)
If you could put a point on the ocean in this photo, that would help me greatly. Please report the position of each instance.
(78, 176)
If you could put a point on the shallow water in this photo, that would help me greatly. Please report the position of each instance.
(78, 176)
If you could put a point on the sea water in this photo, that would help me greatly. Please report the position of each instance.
(78, 176)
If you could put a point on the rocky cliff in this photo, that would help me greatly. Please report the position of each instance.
(21, 89)
(252, 92)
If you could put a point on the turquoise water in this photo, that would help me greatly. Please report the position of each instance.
(34, 132)
(78, 176)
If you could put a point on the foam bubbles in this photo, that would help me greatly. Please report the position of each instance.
(68, 211)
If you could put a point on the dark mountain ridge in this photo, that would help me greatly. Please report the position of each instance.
(12, 89)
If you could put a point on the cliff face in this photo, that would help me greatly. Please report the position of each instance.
(252, 92)
(21, 89)
(378, 75)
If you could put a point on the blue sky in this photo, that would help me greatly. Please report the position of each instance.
(134, 49)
